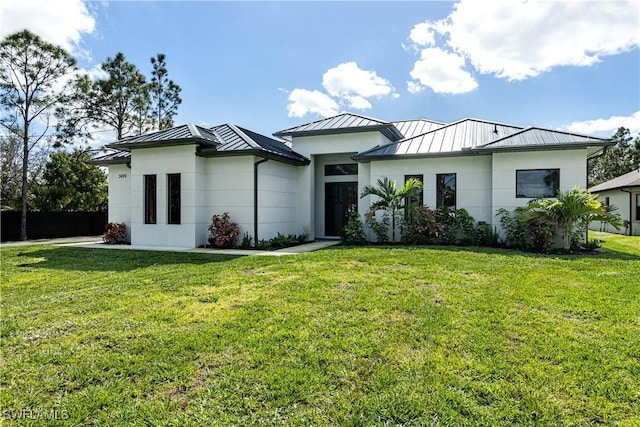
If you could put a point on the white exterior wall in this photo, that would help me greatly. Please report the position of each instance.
(620, 199)
(310, 204)
(277, 199)
(572, 165)
(228, 187)
(120, 195)
(473, 180)
(161, 161)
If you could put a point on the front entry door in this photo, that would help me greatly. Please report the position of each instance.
(340, 198)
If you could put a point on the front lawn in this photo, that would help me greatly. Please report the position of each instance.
(343, 336)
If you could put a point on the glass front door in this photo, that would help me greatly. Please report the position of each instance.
(340, 198)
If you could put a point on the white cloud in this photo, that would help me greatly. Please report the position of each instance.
(347, 85)
(303, 102)
(358, 102)
(61, 22)
(422, 34)
(607, 127)
(348, 80)
(517, 40)
(442, 71)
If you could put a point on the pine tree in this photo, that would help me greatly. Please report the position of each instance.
(165, 94)
(35, 80)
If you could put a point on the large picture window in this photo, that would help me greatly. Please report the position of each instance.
(173, 196)
(446, 190)
(537, 183)
(150, 191)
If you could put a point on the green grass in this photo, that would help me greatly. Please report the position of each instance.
(348, 336)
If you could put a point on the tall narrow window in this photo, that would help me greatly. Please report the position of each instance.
(446, 190)
(150, 189)
(173, 195)
(418, 200)
(638, 207)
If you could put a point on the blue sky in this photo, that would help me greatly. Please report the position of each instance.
(272, 65)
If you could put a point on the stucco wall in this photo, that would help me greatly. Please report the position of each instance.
(162, 161)
(120, 195)
(277, 198)
(620, 199)
(228, 187)
(473, 180)
(572, 165)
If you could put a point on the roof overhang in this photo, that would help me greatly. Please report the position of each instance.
(482, 151)
(388, 130)
(162, 143)
(209, 152)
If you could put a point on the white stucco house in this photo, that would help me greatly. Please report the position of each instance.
(166, 185)
(624, 193)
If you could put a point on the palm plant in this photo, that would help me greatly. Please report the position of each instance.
(391, 199)
(570, 209)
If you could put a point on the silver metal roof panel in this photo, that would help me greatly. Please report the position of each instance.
(535, 136)
(343, 123)
(631, 179)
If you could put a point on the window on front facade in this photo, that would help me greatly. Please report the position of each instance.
(446, 190)
(173, 196)
(419, 200)
(341, 169)
(637, 207)
(537, 183)
(150, 189)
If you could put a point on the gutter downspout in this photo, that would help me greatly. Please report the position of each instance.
(255, 199)
(630, 211)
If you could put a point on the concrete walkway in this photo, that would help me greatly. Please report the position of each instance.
(96, 243)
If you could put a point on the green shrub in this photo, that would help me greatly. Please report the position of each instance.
(246, 241)
(379, 228)
(442, 226)
(528, 233)
(353, 232)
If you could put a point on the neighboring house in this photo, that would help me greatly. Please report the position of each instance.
(166, 185)
(624, 193)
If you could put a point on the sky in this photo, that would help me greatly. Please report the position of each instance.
(268, 66)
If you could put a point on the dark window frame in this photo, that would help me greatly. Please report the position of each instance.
(556, 183)
(150, 184)
(637, 206)
(174, 199)
(441, 184)
(340, 169)
(407, 201)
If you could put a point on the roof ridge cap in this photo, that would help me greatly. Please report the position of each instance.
(244, 136)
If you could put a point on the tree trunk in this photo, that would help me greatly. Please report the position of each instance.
(566, 238)
(25, 176)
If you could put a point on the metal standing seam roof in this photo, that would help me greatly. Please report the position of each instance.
(236, 139)
(631, 179)
(116, 157)
(222, 139)
(465, 134)
(343, 123)
(180, 134)
(411, 128)
(535, 136)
